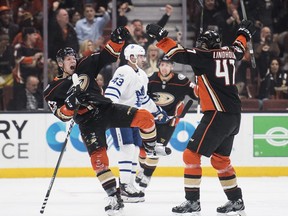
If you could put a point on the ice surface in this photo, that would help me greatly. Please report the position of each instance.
(263, 196)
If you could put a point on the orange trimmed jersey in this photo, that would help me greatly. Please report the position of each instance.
(215, 71)
(87, 69)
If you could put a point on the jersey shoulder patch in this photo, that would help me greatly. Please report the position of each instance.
(181, 76)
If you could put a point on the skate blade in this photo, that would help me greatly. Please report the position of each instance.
(119, 212)
(133, 200)
(238, 213)
(187, 214)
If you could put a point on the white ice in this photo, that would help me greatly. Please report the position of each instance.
(263, 196)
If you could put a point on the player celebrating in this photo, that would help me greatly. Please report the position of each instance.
(129, 86)
(94, 113)
(168, 90)
(214, 67)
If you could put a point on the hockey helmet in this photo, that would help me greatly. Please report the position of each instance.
(209, 40)
(164, 58)
(62, 53)
(134, 50)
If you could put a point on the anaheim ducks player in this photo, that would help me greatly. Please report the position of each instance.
(215, 68)
(168, 90)
(96, 113)
(129, 86)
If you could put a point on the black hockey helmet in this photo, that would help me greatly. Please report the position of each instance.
(67, 51)
(209, 40)
(164, 58)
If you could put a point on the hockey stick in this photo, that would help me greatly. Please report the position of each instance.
(249, 43)
(185, 110)
(202, 13)
(77, 87)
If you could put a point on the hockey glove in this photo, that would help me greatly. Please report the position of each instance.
(247, 29)
(156, 31)
(120, 34)
(160, 116)
(76, 99)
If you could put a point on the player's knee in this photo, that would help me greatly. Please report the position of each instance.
(191, 158)
(220, 162)
(99, 160)
(143, 119)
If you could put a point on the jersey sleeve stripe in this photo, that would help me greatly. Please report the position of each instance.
(111, 89)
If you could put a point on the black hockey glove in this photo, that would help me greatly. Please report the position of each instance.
(156, 31)
(160, 116)
(247, 29)
(75, 99)
(120, 34)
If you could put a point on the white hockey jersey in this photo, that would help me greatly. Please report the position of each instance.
(129, 87)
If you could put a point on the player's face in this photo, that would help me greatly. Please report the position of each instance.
(141, 59)
(69, 64)
(165, 68)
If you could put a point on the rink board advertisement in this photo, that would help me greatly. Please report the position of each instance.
(34, 141)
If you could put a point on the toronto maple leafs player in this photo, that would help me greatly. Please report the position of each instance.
(129, 86)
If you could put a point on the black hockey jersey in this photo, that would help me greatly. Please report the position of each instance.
(215, 70)
(87, 69)
(169, 93)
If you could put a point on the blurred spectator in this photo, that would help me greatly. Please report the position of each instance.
(6, 24)
(90, 27)
(273, 78)
(153, 55)
(29, 58)
(26, 20)
(6, 65)
(52, 70)
(228, 22)
(122, 8)
(265, 50)
(86, 48)
(100, 81)
(28, 96)
(74, 16)
(61, 33)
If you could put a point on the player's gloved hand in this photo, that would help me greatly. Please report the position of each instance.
(120, 34)
(156, 31)
(75, 99)
(160, 116)
(247, 29)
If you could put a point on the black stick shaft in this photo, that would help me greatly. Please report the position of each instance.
(249, 43)
(56, 168)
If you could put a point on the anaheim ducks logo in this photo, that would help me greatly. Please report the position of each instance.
(163, 98)
(84, 81)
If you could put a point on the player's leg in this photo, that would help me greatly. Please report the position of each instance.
(201, 143)
(164, 133)
(192, 180)
(123, 137)
(95, 141)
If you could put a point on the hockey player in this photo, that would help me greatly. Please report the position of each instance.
(214, 67)
(168, 90)
(94, 113)
(129, 86)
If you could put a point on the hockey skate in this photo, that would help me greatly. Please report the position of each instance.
(139, 175)
(144, 182)
(130, 194)
(115, 206)
(156, 149)
(233, 208)
(188, 207)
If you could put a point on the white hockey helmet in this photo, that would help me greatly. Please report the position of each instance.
(134, 50)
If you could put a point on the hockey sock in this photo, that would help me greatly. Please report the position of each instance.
(126, 156)
(108, 181)
(150, 166)
(134, 165)
(142, 157)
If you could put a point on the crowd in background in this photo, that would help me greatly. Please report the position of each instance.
(86, 26)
